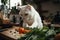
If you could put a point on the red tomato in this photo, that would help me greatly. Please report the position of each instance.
(21, 30)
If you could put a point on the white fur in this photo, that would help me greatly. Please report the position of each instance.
(37, 19)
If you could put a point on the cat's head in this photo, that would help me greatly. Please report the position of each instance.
(25, 11)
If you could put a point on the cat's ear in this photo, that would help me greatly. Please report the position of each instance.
(28, 6)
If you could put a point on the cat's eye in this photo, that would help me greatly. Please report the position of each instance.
(26, 14)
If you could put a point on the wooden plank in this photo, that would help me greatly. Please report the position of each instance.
(12, 34)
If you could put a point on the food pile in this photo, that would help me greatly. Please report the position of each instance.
(23, 30)
(36, 34)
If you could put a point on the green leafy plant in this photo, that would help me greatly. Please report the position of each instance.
(4, 1)
(37, 34)
(45, 34)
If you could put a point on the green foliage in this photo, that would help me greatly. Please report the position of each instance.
(57, 30)
(44, 34)
(4, 1)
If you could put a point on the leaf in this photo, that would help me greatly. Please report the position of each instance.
(4, 1)
(37, 34)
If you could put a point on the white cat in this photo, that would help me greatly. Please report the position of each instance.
(31, 17)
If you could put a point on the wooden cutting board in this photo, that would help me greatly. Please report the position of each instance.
(12, 33)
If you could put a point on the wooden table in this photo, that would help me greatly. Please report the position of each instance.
(8, 35)
(49, 23)
(55, 25)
